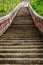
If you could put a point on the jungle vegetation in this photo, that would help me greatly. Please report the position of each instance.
(7, 5)
(37, 6)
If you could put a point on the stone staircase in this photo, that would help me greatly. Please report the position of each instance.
(22, 43)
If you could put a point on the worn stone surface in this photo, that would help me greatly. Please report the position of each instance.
(22, 43)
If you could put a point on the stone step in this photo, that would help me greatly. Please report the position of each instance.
(21, 60)
(23, 11)
(23, 17)
(21, 32)
(21, 50)
(21, 55)
(21, 64)
(22, 47)
(9, 40)
(28, 22)
(22, 43)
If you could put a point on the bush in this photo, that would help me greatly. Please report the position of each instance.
(38, 6)
(7, 5)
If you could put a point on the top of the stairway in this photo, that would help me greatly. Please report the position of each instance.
(22, 27)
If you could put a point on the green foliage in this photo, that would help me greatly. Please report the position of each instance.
(38, 6)
(7, 5)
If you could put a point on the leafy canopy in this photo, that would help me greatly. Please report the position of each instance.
(7, 5)
(38, 6)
